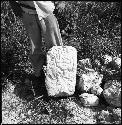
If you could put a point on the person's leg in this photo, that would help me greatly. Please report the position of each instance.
(51, 31)
(37, 56)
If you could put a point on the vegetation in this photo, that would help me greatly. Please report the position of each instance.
(93, 28)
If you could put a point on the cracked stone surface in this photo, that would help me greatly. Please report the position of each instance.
(61, 71)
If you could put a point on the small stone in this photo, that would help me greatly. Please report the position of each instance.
(97, 90)
(89, 99)
(112, 92)
(85, 63)
(107, 59)
(88, 80)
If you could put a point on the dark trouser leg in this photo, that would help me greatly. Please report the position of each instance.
(37, 57)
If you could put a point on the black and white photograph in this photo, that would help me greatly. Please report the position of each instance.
(61, 62)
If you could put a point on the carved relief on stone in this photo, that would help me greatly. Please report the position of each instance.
(61, 70)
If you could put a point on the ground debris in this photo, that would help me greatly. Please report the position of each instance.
(56, 111)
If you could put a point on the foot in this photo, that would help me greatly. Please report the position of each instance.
(23, 92)
(38, 84)
(31, 87)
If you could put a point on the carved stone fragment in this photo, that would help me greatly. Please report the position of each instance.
(61, 71)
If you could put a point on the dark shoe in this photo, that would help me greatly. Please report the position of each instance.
(38, 84)
(31, 86)
(23, 92)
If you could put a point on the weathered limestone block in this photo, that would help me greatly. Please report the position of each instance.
(61, 71)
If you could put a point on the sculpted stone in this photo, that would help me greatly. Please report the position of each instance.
(61, 71)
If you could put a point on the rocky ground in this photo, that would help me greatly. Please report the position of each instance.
(85, 107)
(97, 32)
(64, 111)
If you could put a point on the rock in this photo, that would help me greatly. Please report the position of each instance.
(97, 90)
(117, 62)
(107, 59)
(112, 92)
(104, 117)
(117, 111)
(89, 99)
(109, 115)
(88, 80)
(61, 71)
(85, 64)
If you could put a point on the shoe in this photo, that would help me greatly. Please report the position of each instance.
(23, 92)
(31, 87)
(38, 84)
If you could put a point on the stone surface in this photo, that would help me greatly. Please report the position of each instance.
(85, 64)
(89, 99)
(97, 90)
(88, 80)
(112, 92)
(61, 71)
